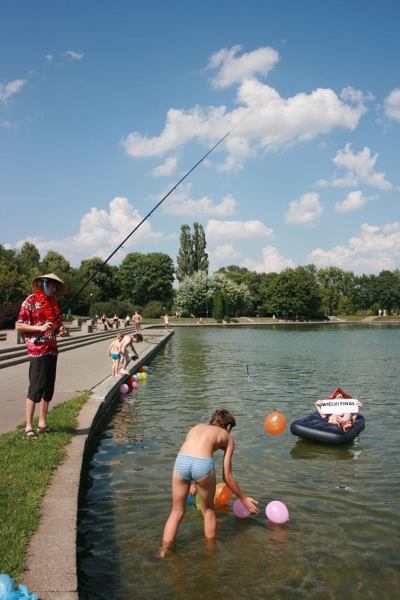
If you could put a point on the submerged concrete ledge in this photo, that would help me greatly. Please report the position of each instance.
(51, 566)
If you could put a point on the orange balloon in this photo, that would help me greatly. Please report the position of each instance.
(275, 423)
(222, 494)
(142, 370)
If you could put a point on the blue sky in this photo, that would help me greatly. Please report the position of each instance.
(103, 107)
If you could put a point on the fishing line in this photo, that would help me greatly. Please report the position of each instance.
(97, 269)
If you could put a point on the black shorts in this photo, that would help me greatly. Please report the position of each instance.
(42, 377)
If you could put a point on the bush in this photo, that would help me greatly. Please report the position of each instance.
(218, 308)
(9, 315)
(153, 310)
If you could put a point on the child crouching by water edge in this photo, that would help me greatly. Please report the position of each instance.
(195, 462)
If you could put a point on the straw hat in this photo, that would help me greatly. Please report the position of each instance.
(53, 277)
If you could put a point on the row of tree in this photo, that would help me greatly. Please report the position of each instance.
(145, 281)
(139, 281)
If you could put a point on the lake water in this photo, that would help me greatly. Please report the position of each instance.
(342, 540)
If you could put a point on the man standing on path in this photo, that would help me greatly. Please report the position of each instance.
(40, 319)
(137, 321)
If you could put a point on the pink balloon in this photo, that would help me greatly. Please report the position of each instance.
(277, 512)
(134, 384)
(240, 510)
(124, 388)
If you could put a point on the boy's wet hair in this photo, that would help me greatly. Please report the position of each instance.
(223, 418)
(138, 337)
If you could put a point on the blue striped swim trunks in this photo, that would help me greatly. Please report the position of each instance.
(193, 468)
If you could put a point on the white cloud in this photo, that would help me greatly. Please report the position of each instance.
(73, 55)
(9, 89)
(305, 211)
(353, 201)
(166, 168)
(233, 69)
(352, 95)
(392, 105)
(215, 230)
(224, 254)
(181, 203)
(49, 58)
(374, 249)
(360, 170)
(99, 233)
(272, 262)
(267, 122)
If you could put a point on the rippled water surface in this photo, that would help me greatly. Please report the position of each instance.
(342, 540)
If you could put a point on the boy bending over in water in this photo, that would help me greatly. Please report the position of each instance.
(344, 421)
(127, 342)
(195, 462)
(115, 352)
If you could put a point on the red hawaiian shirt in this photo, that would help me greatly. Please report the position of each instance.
(32, 313)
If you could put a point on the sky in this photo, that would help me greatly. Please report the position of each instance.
(104, 106)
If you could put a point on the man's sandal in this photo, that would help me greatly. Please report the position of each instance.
(45, 429)
(30, 434)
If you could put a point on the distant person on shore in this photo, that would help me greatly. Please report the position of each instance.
(127, 320)
(40, 319)
(166, 321)
(115, 352)
(127, 342)
(137, 321)
(195, 462)
(344, 421)
(115, 321)
(104, 321)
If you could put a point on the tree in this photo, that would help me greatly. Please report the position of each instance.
(236, 298)
(184, 258)
(145, 277)
(102, 287)
(54, 262)
(194, 294)
(295, 294)
(11, 286)
(28, 258)
(388, 285)
(199, 254)
(219, 304)
(332, 281)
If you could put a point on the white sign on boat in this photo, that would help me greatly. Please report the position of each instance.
(338, 406)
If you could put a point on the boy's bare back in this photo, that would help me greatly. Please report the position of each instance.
(202, 440)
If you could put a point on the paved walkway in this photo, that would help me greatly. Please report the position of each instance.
(77, 370)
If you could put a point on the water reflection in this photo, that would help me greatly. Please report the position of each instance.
(342, 537)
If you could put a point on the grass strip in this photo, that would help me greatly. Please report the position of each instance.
(26, 466)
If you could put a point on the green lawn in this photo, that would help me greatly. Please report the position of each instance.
(26, 466)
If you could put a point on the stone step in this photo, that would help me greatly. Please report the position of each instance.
(17, 354)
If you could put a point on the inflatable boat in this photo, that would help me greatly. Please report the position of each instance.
(317, 429)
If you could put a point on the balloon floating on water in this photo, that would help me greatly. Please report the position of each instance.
(275, 423)
(124, 388)
(240, 510)
(277, 512)
(222, 495)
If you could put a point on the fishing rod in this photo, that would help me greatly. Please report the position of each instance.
(80, 290)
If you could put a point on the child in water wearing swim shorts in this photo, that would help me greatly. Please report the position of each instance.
(115, 352)
(195, 462)
(344, 421)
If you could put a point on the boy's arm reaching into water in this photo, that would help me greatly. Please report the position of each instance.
(230, 481)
